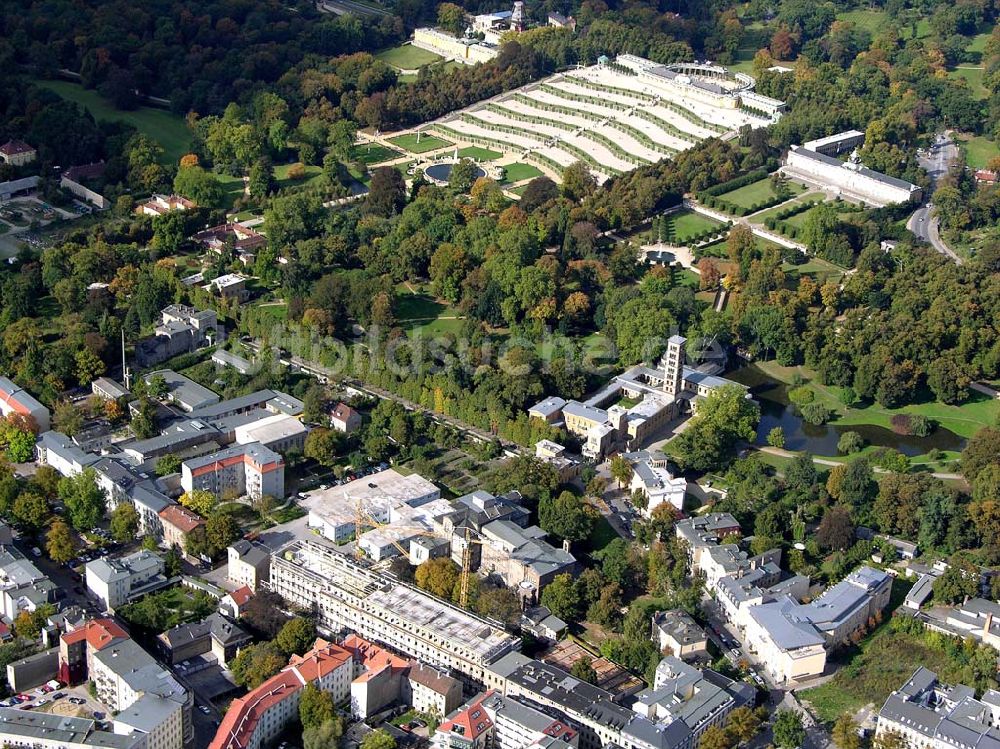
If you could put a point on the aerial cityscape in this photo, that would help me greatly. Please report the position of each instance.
(578, 374)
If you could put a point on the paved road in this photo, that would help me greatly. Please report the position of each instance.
(923, 223)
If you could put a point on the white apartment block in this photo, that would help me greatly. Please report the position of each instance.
(22, 729)
(791, 639)
(115, 582)
(929, 715)
(349, 597)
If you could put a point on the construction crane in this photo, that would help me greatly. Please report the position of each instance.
(463, 597)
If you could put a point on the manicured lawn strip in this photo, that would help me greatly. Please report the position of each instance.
(518, 172)
(427, 143)
(688, 224)
(373, 153)
(762, 216)
(964, 420)
(417, 307)
(407, 57)
(166, 128)
(756, 192)
(478, 153)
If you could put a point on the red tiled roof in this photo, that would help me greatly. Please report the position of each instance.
(240, 721)
(99, 633)
(343, 411)
(323, 659)
(242, 595)
(12, 147)
(245, 713)
(181, 518)
(470, 722)
(373, 657)
(85, 171)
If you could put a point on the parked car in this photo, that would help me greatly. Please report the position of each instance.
(204, 709)
(35, 551)
(58, 696)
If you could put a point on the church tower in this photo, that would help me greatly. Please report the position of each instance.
(673, 365)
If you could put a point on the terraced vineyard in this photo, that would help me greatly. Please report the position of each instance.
(610, 121)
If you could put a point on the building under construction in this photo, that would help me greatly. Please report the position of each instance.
(347, 597)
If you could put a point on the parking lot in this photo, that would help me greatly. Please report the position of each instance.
(71, 702)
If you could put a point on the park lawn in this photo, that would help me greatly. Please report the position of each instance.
(519, 172)
(686, 224)
(478, 153)
(312, 174)
(869, 20)
(974, 77)
(233, 187)
(601, 535)
(436, 327)
(978, 44)
(821, 270)
(166, 128)
(756, 193)
(979, 150)
(410, 306)
(799, 219)
(278, 312)
(373, 153)
(519, 191)
(409, 142)
(407, 57)
(964, 420)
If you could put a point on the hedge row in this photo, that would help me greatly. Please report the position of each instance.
(534, 119)
(548, 107)
(617, 150)
(593, 86)
(721, 204)
(476, 140)
(593, 100)
(667, 127)
(640, 137)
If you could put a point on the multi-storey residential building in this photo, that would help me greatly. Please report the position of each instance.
(677, 632)
(249, 564)
(16, 400)
(349, 597)
(59, 451)
(178, 523)
(522, 557)
(651, 475)
(22, 729)
(696, 698)
(491, 719)
(17, 153)
(432, 691)
(144, 697)
(926, 714)
(214, 634)
(250, 469)
(181, 329)
(23, 587)
(258, 718)
(791, 639)
(702, 532)
(115, 582)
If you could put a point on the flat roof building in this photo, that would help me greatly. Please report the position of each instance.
(349, 597)
(16, 400)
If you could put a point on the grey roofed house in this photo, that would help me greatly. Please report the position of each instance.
(283, 403)
(21, 727)
(63, 447)
(251, 553)
(108, 388)
(946, 716)
(184, 391)
(480, 508)
(785, 625)
(215, 626)
(703, 530)
(228, 359)
(583, 411)
(548, 407)
(174, 438)
(530, 547)
(645, 732)
(232, 406)
(541, 622)
(679, 626)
